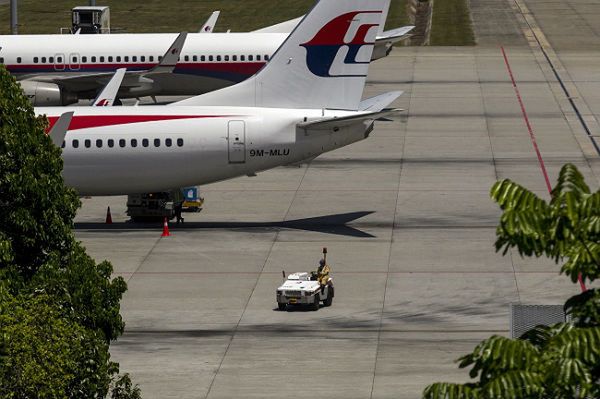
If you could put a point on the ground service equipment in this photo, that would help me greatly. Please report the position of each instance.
(303, 289)
(90, 20)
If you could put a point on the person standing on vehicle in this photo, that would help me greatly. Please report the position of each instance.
(323, 273)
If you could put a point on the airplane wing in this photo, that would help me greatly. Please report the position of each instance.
(91, 81)
(59, 130)
(342, 121)
(107, 96)
(282, 27)
(210, 23)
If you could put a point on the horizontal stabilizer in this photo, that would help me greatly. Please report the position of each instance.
(282, 27)
(394, 35)
(59, 130)
(377, 103)
(342, 121)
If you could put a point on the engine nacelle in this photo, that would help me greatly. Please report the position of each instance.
(42, 94)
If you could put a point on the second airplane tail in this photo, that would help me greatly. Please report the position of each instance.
(322, 64)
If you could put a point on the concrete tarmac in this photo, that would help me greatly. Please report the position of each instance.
(418, 282)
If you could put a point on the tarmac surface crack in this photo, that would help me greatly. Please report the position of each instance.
(387, 277)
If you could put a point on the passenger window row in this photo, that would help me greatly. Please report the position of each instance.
(110, 143)
(93, 59)
(234, 58)
(143, 58)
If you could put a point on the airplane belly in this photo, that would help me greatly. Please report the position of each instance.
(93, 175)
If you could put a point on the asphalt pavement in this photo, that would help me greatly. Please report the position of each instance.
(405, 214)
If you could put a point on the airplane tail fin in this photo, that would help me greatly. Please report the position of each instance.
(322, 64)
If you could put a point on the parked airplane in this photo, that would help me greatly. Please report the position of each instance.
(305, 102)
(61, 69)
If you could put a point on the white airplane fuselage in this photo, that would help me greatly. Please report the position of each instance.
(207, 62)
(187, 145)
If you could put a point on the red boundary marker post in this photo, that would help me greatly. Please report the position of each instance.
(533, 140)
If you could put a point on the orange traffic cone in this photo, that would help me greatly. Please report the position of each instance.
(108, 216)
(165, 229)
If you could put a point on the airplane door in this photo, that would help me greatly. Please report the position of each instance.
(236, 141)
(74, 61)
(59, 62)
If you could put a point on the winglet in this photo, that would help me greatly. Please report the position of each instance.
(107, 96)
(169, 59)
(59, 130)
(210, 23)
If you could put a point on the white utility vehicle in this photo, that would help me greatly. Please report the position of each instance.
(303, 289)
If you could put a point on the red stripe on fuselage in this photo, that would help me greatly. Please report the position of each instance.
(90, 121)
(248, 68)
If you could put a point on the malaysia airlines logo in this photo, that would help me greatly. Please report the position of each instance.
(103, 103)
(343, 47)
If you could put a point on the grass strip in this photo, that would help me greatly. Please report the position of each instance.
(36, 17)
(451, 24)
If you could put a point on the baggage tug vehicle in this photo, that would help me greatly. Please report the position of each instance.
(303, 289)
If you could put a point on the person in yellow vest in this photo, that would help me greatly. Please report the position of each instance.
(323, 273)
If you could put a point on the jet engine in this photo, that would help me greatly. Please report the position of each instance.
(42, 94)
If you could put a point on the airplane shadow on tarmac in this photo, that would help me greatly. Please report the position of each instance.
(330, 224)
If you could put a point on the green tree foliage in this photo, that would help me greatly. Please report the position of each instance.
(124, 389)
(36, 208)
(566, 229)
(59, 310)
(47, 354)
(561, 361)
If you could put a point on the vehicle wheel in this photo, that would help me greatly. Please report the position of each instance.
(281, 306)
(315, 305)
(329, 300)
